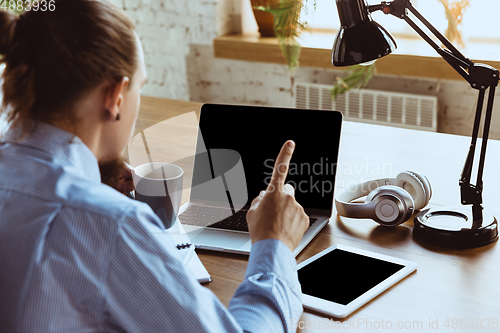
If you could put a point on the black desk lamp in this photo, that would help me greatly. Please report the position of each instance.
(359, 40)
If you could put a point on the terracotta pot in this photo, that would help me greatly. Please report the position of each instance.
(265, 20)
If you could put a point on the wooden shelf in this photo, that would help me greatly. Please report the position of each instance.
(252, 47)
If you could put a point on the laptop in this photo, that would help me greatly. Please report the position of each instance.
(235, 153)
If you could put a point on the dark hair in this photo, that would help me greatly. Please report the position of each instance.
(52, 58)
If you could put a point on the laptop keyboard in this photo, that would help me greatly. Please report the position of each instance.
(204, 216)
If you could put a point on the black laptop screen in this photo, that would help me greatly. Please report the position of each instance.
(238, 146)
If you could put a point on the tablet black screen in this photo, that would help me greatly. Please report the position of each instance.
(341, 276)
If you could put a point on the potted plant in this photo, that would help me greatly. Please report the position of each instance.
(286, 25)
(264, 19)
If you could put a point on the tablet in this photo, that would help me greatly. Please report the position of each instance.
(341, 279)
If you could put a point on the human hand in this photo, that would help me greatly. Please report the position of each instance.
(125, 182)
(275, 213)
(117, 174)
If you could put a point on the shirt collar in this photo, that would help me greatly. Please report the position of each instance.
(65, 148)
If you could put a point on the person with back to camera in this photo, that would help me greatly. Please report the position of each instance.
(75, 253)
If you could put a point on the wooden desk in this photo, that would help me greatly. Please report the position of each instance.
(452, 290)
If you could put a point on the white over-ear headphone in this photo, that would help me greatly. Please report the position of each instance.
(389, 201)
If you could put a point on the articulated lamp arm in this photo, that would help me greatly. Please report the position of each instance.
(479, 76)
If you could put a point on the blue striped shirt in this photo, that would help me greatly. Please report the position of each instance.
(78, 256)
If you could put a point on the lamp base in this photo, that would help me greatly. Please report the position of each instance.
(453, 228)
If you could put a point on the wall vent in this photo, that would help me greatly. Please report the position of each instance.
(371, 106)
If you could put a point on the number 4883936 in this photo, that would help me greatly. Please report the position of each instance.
(27, 5)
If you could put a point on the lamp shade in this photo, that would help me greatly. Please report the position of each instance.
(359, 39)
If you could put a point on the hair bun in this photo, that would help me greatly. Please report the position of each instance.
(7, 25)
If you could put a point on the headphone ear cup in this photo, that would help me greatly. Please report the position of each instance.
(428, 183)
(394, 205)
(417, 186)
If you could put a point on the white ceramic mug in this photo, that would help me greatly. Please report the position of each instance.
(160, 186)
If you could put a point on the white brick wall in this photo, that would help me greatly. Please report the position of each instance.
(167, 29)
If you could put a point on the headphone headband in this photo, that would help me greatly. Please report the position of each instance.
(359, 190)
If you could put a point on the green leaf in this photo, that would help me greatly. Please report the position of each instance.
(356, 76)
(290, 49)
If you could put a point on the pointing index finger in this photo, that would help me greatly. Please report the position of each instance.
(281, 166)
